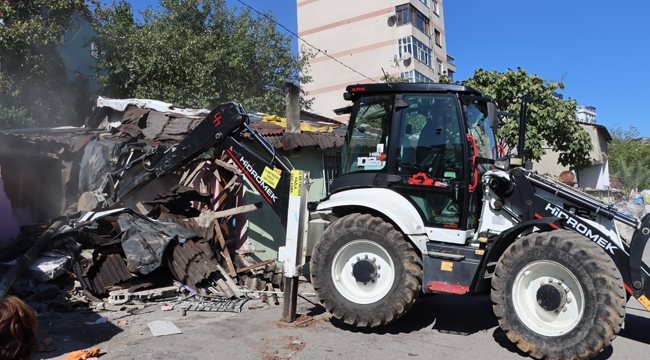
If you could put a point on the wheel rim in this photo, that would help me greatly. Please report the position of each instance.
(535, 294)
(343, 267)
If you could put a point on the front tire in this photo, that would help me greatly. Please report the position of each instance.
(364, 272)
(558, 295)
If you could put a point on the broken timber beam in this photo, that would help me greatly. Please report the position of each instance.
(227, 166)
(189, 176)
(235, 211)
(255, 266)
(224, 248)
(28, 257)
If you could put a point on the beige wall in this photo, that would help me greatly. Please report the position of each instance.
(363, 37)
(596, 177)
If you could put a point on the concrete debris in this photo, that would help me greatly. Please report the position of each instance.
(49, 265)
(163, 327)
(179, 239)
(124, 296)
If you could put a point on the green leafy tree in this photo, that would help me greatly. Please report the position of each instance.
(34, 88)
(630, 159)
(197, 53)
(550, 121)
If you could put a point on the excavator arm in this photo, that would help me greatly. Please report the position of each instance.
(270, 176)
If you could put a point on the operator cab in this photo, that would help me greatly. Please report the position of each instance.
(418, 140)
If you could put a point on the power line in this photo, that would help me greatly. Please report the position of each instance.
(305, 41)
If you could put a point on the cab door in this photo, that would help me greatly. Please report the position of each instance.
(432, 163)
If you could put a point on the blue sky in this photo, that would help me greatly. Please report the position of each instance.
(599, 49)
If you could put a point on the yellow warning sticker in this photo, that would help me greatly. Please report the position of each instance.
(295, 187)
(645, 302)
(479, 252)
(271, 177)
(447, 266)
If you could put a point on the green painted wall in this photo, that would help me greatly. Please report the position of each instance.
(264, 230)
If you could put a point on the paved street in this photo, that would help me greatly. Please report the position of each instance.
(442, 326)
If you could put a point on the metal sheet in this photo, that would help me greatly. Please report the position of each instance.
(101, 273)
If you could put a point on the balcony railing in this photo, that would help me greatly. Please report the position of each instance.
(450, 60)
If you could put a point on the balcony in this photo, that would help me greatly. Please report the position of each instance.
(450, 60)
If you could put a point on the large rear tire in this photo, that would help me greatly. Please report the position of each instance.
(364, 272)
(558, 295)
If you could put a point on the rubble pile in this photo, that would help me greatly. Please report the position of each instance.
(183, 227)
(121, 250)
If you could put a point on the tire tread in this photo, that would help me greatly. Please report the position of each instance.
(607, 283)
(381, 315)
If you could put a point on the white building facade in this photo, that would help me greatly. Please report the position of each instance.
(365, 39)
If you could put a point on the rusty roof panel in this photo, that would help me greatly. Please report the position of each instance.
(177, 126)
(292, 141)
(46, 140)
(103, 272)
(191, 262)
(155, 124)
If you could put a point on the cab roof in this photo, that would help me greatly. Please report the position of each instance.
(412, 87)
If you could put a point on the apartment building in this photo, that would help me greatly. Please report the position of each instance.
(363, 39)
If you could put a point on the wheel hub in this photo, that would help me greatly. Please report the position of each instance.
(364, 270)
(551, 297)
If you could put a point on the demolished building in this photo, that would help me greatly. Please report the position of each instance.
(192, 223)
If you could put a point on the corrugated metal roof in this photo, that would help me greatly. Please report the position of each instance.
(46, 140)
(101, 273)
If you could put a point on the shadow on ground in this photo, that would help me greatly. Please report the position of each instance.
(70, 332)
(462, 315)
(636, 329)
(503, 341)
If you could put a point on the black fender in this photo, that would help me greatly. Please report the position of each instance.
(505, 239)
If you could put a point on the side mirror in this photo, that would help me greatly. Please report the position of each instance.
(492, 115)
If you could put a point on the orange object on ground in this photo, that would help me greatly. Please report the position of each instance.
(83, 354)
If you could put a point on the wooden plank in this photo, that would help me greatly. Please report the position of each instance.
(228, 166)
(230, 197)
(237, 210)
(224, 249)
(249, 251)
(255, 266)
(226, 191)
(191, 176)
(143, 210)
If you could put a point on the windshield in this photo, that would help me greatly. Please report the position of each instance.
(478, 125)
(366, 142)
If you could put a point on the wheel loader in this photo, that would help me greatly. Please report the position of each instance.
(427, 202)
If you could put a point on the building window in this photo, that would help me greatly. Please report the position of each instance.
(426, 2)
(434, 7)
(439, 66)
(331, 166)
(407, 14)
(437, 37)
(414, 47)
(415, 77)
